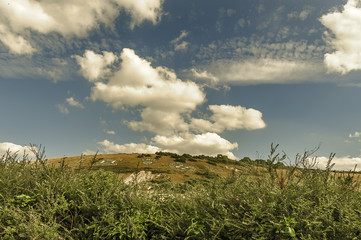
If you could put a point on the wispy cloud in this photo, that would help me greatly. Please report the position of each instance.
(248, 61)
(110, 132)
(204, 75)
(74, 103)
(70, 102)
(355, 135)
(178, 43)
(302, 15)
(266, 70)
(62, 108)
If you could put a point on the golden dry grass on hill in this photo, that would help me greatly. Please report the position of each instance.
(164, 166)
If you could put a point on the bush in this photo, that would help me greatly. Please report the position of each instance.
(39, 202)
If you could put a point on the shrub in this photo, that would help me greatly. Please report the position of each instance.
(39, 202)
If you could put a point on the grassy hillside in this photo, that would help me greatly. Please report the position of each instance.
(78, 199)
(164, 166)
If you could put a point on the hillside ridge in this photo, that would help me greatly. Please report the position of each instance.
(166, 166)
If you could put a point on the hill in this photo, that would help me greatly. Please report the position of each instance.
(160, 166)
(64, 198)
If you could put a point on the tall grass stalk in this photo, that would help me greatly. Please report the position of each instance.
(42, 202)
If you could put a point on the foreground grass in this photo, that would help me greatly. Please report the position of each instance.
(38, 202)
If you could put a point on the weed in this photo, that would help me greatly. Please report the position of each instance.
(298, 202)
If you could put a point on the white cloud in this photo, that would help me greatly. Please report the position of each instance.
(159, 122)
(355, 135)
(261, 70)
(109, 132)
(29, 67)
(303, 15)
(14, 148)
(89, 152)
(226, 117)
(182, 46)
(208, 144)
(138, 83)
(110, 147)
(74, 103)
(204, 75)
(142, 10)
(345, 37)
(95, 66)
(178, 44)
(165, 105)
(62, 109)
(343, 163)
(16, 43)
(243, 61)
(69, 18)
(163, 96)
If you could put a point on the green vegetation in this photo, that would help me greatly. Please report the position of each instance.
(40, 202)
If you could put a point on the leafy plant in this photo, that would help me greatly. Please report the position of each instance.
(38, 201)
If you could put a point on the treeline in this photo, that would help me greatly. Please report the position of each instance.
(221, 159)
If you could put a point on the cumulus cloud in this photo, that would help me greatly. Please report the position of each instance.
(162, 95)
(95, 66)
(110, 147)
(226, 117)
(14, 148)
(345, 37)
(342, 163)
(165, 104)
(142, 10)
(208, 144)
(69, 18)
(138, 83)
(74, 103)
(159, 122)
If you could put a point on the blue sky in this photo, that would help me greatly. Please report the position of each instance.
(202, 77)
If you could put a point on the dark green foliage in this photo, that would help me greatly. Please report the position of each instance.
(212, 163)
(180, 159)
(172, 155)
(39, 202)
(246, 160)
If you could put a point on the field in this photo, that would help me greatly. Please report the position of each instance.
(88, 197)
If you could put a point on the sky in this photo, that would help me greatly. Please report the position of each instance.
(200, 77)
